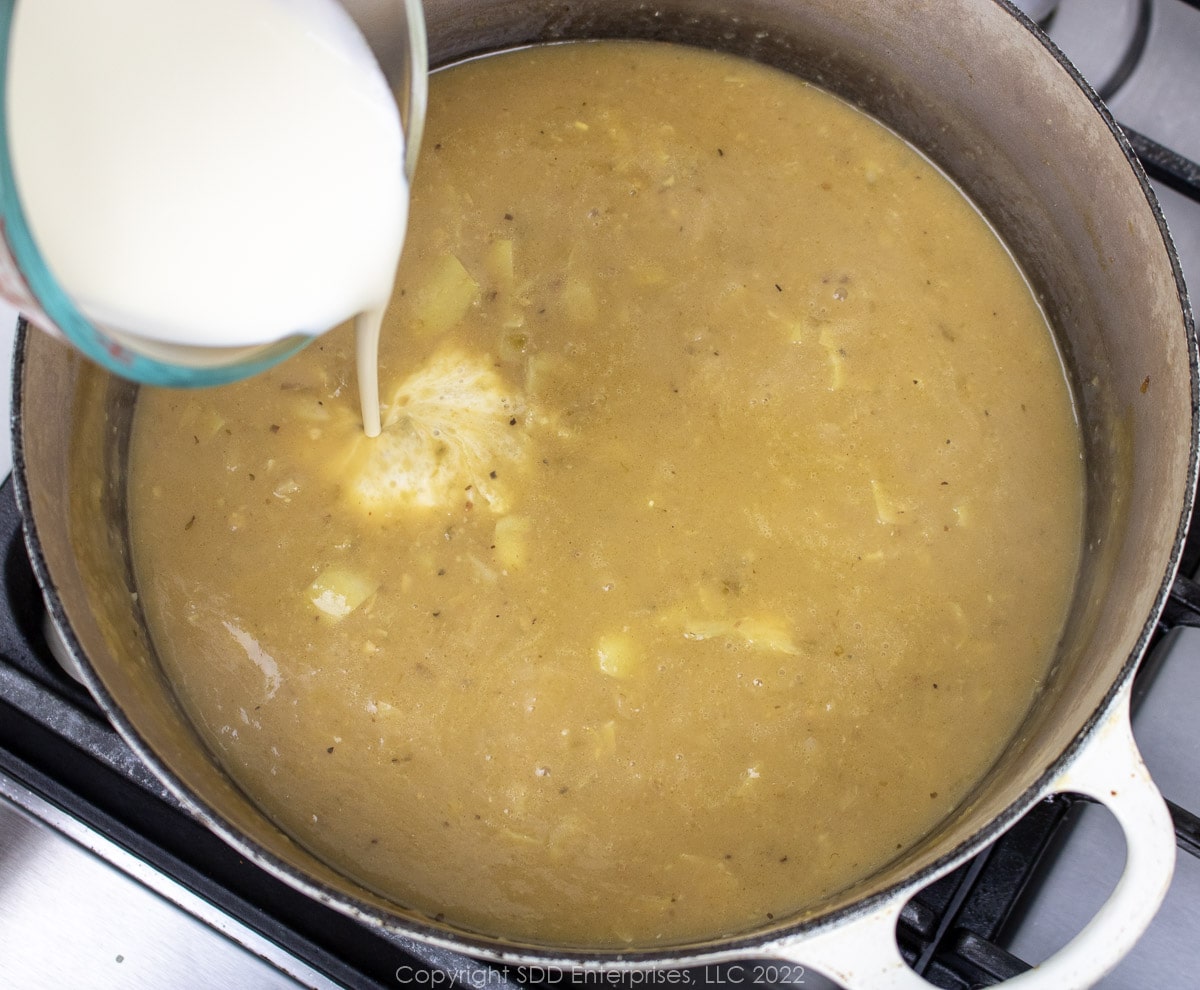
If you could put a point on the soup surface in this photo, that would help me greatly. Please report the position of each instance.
(722, 527)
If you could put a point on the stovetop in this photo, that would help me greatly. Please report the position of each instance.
(106, 882)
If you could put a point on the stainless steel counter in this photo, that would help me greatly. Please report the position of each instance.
(76, 910)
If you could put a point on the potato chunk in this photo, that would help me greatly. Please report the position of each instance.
(338, 591)
(445, 297)
(763, 632)
(512, 541)
(617, 654)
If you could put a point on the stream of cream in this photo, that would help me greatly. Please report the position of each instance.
(366, 358)
(217, 175)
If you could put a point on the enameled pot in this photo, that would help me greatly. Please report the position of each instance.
(972, 84)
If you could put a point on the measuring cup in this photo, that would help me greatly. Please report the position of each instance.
(394, 30)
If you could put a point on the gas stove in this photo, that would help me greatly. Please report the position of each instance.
(106, 882)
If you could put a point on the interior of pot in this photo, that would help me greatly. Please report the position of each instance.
(962, 80)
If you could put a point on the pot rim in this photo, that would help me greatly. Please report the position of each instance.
(719, 949)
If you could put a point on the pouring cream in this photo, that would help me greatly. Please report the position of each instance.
(207, 178)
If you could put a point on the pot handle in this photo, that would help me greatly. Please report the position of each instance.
(862, 954)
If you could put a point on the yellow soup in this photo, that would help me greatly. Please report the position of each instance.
(722, 529)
